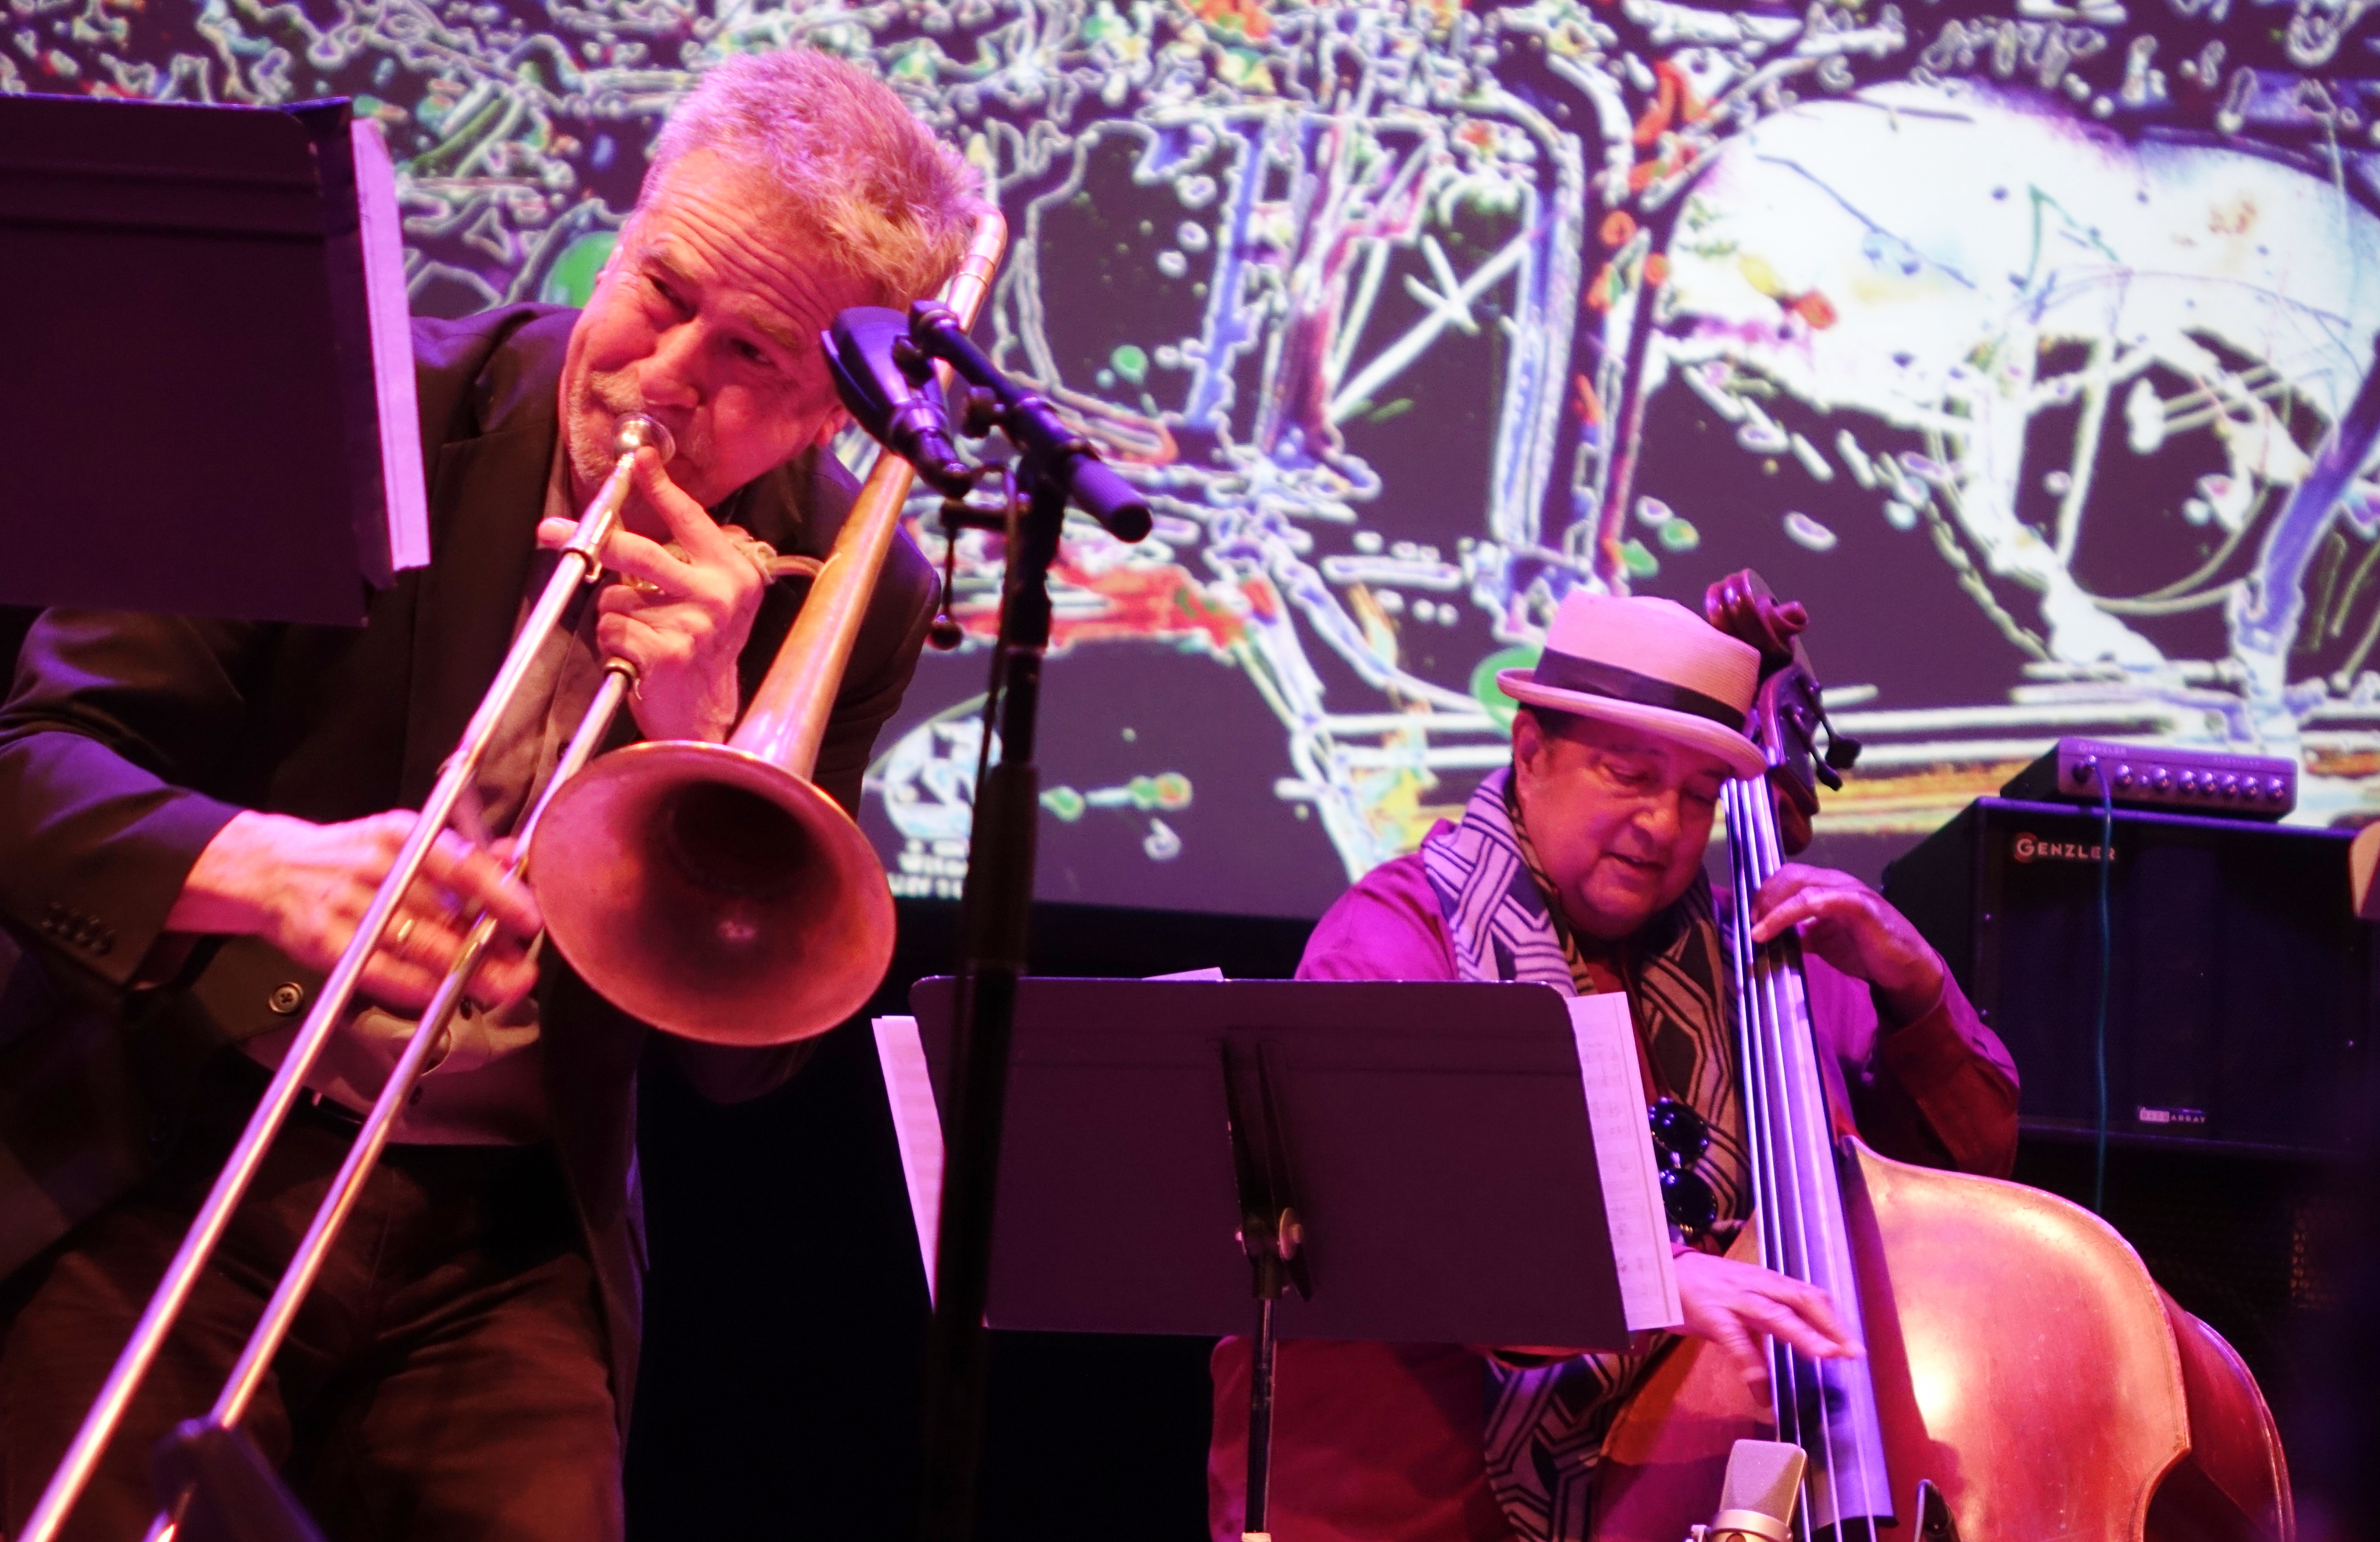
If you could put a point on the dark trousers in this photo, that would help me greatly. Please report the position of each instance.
(446, 1378)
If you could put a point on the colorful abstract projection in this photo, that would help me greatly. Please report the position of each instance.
(2021, 345)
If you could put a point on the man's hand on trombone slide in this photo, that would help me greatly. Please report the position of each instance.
(304, 887)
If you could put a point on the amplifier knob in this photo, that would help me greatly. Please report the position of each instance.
(2123, 776)
(2230, 786)
(2162, 781)
(2276, 789)
(2190, 781)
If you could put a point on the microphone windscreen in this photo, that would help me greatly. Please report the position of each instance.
(1764, 1476)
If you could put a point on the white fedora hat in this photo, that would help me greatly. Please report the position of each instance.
(1651, 664)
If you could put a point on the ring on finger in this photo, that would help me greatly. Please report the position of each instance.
(763, 556)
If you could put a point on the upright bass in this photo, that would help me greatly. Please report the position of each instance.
(2025, 1378)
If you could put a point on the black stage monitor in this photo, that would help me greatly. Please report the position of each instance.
(2242, 988)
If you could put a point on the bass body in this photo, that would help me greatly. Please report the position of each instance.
(2025, 1363)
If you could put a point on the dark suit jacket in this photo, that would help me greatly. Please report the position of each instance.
(129, 740)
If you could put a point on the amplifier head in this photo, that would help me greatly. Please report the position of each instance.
(2159, 776)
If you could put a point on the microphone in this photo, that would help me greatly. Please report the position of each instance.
(1756, 1502)
(888, 385)
(1032, 424)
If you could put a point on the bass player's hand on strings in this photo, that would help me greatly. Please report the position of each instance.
(1740, 1307)
(1851, 927)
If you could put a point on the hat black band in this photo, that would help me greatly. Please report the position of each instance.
(1565, 672)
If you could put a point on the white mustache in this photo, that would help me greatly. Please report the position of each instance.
(617, 396)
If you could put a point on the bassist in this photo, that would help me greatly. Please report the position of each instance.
(1582, 868)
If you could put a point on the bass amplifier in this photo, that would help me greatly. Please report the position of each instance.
(2242, 988)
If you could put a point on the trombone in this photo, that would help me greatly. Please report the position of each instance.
(714, 893)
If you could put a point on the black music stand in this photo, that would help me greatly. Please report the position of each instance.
(210, 387)
(1416, 1159)
(209, 381)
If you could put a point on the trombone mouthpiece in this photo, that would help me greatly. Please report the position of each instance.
(635, 431)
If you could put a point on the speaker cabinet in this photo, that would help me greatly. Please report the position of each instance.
(2242, 988)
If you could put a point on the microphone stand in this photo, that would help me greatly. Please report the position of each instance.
(1055, 466)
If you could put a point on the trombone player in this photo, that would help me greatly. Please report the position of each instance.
(195, 814)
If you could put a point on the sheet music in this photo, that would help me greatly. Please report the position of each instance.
(1623, 1158)
(917, 1126)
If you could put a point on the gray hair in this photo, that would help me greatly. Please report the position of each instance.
(889, 203)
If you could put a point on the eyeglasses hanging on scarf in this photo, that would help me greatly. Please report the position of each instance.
(1681, 1138)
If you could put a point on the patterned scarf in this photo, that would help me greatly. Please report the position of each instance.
(1546, 1425)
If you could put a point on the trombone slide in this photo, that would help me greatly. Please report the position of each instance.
(577, 566)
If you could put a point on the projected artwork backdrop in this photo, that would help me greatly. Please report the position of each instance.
(2005, 337)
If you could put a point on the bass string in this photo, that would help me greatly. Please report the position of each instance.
(1754, 1064)
(1808, 1135)
(1776, 1118)
(1804, 1381)
(1788, 1036)
(1769, 1203)
(1872, 1487)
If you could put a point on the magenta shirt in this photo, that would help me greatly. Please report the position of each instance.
(1382, 1442)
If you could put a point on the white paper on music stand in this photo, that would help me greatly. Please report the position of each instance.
(392, 345)
(917, 1122)
(1623, 1160)
(917, 1127)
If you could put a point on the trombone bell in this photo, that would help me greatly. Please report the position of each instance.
(715, 895)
